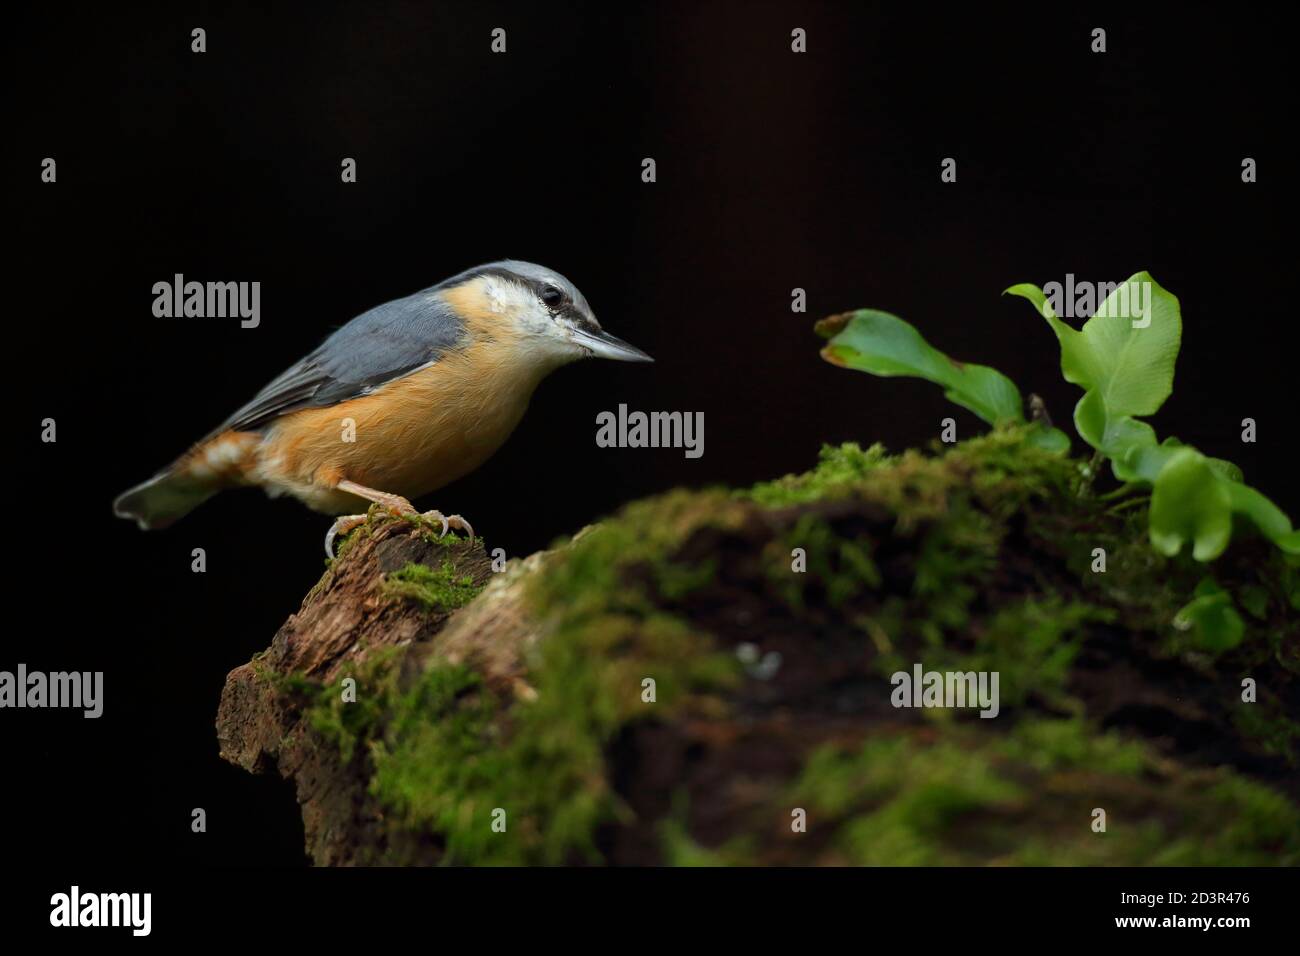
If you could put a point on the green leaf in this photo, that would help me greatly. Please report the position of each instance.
(1194, 499)
(1127, 348)
(883, 344)
(1123, 358)
(1268, 517)
(1048, 438)
(1255, 600)
(1190, 504)
(1127, 370)
(1090, 419)
(1213, 620)
(1222, 467)
(1130, 444)
(1134, 452)
(1291, 582)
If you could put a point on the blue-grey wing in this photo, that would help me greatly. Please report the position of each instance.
(386, 343)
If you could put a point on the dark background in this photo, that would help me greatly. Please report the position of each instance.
(775, 170)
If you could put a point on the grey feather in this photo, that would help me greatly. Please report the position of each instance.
(376, 347)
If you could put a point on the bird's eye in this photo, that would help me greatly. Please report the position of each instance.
(552, 296)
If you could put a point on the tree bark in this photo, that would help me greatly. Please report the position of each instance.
(774, 734)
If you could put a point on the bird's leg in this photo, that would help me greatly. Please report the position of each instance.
(396, 504)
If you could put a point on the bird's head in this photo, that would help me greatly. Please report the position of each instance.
(539, 311)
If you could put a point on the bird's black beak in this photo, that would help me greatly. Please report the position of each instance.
(603, 345)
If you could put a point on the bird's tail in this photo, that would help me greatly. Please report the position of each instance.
(165, 498)
(174, 492)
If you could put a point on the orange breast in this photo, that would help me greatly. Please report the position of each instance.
(408, 437)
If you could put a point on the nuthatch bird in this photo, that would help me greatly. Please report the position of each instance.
(399, 402)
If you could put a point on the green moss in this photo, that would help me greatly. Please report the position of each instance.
(445, 764)
(676, 581)
(993, 465)
(348, 542)
(1027, 798)
(1031, 644)
(349, 723)
(445, 753)
(1049, 745)
(953, 509)
(1266, 724)
(954, 562)
(939, 565)
(438, 767)
(838, 566)
(431, 530)
(593, 568)
(438, 589)
(680, 849)
(449, 756)
(950, 513)
(1241, 816)
(838, 470)
(892, 800)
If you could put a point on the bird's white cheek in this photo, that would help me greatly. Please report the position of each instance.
(505, 298)
(562, 349)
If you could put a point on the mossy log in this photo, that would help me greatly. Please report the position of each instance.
(672, 686)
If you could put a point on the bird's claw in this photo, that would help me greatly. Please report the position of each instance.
(346, 523)
(449, 522)
(341, 525)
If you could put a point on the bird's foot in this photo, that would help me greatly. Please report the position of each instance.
(347, 523)
(341, 525)
(449, 522)
(395, 505)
